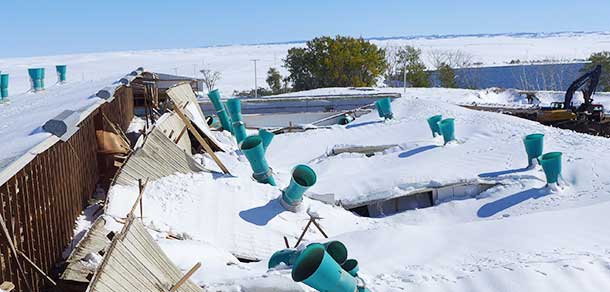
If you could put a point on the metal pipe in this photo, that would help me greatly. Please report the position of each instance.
(317, 269)
(303, 177)
(239, 128)
(214, 96)
(252, 147)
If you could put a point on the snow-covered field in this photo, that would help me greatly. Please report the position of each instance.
(519, 236)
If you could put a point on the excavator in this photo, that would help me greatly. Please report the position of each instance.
(565, 111)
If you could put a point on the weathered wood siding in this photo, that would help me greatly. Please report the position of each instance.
(41, 202)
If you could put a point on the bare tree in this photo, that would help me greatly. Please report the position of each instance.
(393, 62)
(455, 59)
(210, 78)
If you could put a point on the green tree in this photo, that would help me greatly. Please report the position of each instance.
(601, 58)
(447, 76)
(342, 61)
(274, 80)
(410, 61)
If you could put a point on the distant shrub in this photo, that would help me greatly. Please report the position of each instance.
(328, 62)
(601, 58)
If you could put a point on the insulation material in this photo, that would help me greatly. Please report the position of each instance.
(134, 262)
(156, 158)
(172, 127)
(182, 95)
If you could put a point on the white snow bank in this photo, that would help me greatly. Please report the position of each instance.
(515, 237)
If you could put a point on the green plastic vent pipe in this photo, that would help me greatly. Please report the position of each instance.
(337, 250)
(433, 123)
(303, 177)
(266, 136)
(351, 266)
(239, 128)
(345, 119)
(287, 256)
(212, 122)
(551, 164)
(214, 96)
(61, 73)
(37, 78)
(317, 269)
(534, 145)
(3, 86)
(447, 127)
(252, 147)
(384, 108)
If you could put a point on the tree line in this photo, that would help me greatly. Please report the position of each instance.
(355, 62)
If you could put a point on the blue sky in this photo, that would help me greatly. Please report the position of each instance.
(45, 27)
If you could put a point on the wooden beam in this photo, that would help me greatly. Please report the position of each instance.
(38, 269)
(200, 139)
(180, 135)
(7, 237)
(185, 277)
(139, 199)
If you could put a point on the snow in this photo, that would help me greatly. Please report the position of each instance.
(518, 236)
(21, 119)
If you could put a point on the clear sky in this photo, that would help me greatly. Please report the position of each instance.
(49, 27)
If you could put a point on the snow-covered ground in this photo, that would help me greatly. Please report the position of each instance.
(515, 237)
(22, 117)
(234, 62)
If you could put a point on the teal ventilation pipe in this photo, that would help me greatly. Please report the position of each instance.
(253, 148)
(36, 78)
(534, 145)
(287, 256)
(3, 86)
(337, 250)
(214, 96)
(384, 108)
(351, 266)
(551, 164)
(303, 177)
(41, 78)
(316, 268)
(266, 136)
(447, 127)
(239, 128)
(212, 122)
(433, 123)
(61, 73)
(345, 119)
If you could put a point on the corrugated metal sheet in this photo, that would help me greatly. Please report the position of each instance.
(134, 262)
(96, 241)
(158, 157)
(182, 94)
(171, 125)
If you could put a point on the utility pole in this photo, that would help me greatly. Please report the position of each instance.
(176, 71)
(404, 79)
(255, 81)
